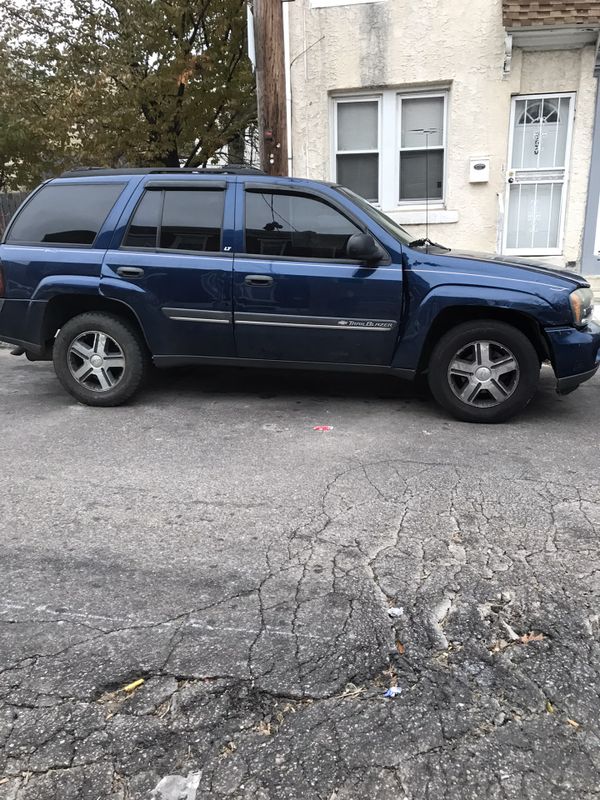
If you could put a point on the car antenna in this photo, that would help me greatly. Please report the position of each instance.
(427, 132)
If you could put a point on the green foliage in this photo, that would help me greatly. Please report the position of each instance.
(113, 82)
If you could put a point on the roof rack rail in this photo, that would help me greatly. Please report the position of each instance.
(225, 169)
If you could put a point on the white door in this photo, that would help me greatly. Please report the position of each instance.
(539, 148)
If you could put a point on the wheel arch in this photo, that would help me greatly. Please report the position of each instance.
(63, 307)
(452, 316)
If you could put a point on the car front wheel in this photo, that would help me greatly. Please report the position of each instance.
(484, 371)
(100, 359)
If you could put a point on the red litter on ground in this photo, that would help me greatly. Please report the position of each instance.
(323, 428)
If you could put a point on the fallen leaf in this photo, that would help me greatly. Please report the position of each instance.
(351, 690)
(131, 687)
(264, 728)
(228, 749)
(531, 637)
(400, 648)
(549, 707)
(3, 780)
(573, 723)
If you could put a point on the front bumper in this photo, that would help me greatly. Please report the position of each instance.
(575, 355)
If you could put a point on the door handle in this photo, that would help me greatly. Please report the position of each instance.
(130, 272)
(258, 280)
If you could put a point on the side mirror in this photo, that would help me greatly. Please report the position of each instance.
(363, 247)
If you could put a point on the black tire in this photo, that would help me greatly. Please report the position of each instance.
(517, 388)
(122, 336)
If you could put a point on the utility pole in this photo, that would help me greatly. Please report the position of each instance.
(270, 85)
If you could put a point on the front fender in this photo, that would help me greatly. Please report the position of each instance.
(422, 313)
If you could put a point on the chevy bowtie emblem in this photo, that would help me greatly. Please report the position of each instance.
(342, 322)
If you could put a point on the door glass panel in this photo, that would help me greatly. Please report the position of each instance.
(192, 220)
(144, 225)
(279, 224)
(360, 172)
(414, 167)
(419, 114)
(540, 134)
(534, 216)
(357, 126)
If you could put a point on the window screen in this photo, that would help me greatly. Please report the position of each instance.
(422, 136)
(357, 148)
(279, 224)
(65, 214)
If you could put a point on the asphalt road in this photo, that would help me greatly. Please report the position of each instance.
(208, 540)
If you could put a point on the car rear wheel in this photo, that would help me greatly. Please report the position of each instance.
(484, 371)
(100, 359)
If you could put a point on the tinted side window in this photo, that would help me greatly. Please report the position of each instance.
(65, 214)
(143, 230)
(279, 224)
(192, 220)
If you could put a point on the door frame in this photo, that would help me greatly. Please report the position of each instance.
(319, 330)
(590, 257)
(539, 251)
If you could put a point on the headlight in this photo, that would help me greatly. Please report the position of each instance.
(582, 306)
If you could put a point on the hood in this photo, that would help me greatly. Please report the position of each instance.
(528, 264)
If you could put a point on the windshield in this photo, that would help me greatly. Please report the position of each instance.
(385, 222)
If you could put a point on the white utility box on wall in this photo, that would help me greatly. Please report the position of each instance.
(479, 170)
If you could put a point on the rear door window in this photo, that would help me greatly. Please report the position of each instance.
(67, 214)
(143, 231)
(178, 219)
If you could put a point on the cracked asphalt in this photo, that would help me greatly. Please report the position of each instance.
(207, 540)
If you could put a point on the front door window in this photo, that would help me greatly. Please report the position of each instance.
(537, 174)
(295, 225)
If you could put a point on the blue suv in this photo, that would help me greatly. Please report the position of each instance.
(107, 271)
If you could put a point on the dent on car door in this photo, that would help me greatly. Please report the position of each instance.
(297, 296)
(173, 267)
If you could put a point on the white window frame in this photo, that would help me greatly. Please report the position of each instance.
(432, 201)
(540, 251)
(389, 134)
(361, 98)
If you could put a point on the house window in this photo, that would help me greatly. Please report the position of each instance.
(421, 133)
(390, 148)
(357, 146)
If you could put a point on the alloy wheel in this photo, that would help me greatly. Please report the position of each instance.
(483, 374)
(96, 361)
